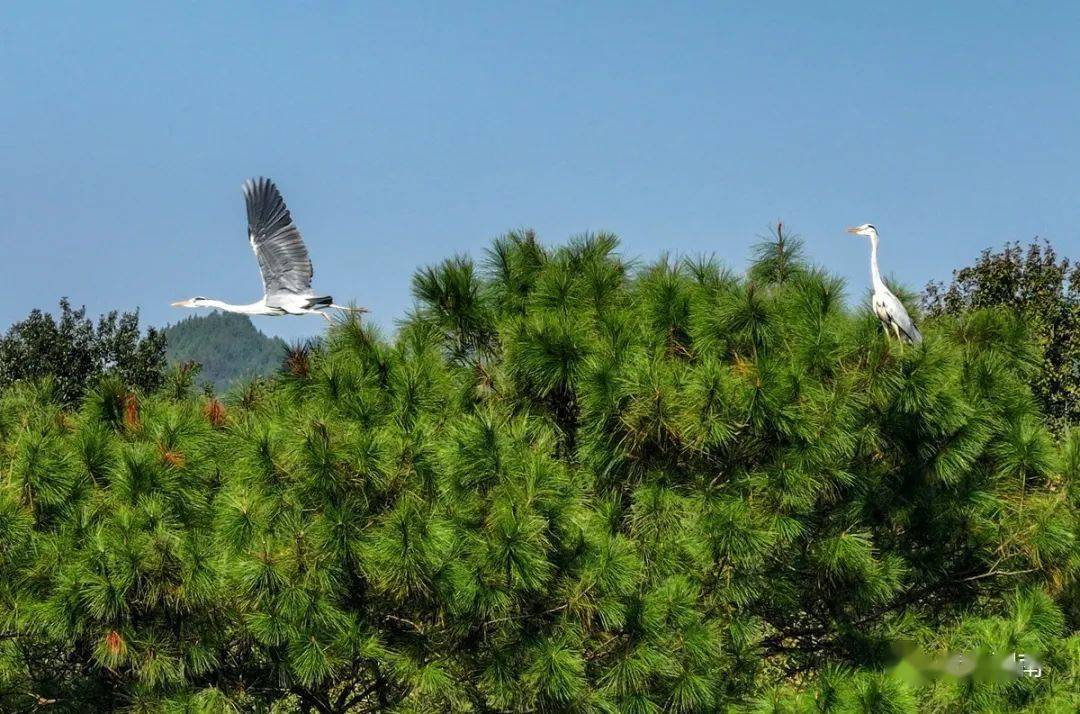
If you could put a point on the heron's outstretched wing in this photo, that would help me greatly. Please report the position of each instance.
(892, 312)
(283, 257)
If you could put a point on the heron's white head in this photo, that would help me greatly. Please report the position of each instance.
(192, 302)
(866, 229)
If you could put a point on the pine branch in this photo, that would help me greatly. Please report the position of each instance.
(998, 573)
(312, 700)
(774, 645)
(527, 615)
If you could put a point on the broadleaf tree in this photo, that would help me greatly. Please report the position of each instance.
(74, 352)
(1045, 289)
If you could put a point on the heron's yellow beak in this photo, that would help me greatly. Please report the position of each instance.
(182, 303)
(853, 230)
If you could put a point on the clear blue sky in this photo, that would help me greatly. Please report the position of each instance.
(402, 133)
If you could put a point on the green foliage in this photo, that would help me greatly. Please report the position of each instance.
(779, 258)
(1046, 292)
(75, 353)
(565, 486)
(226, 346)
(930, 676)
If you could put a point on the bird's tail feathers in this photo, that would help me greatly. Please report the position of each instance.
(316, 303)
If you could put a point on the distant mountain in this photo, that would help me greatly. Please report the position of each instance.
(226, 345)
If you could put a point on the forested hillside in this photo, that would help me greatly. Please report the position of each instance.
(228, 347)
(565, 486)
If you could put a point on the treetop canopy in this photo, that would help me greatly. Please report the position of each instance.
(567, 484)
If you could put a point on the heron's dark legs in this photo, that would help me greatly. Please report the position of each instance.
(344, 309)
(350, 309)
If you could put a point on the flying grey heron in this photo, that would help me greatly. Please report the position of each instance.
(283, 260)
(887, 306)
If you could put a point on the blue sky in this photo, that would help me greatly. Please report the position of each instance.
(403, 133)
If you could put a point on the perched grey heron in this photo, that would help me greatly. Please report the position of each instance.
(283, 260)
(887, 306)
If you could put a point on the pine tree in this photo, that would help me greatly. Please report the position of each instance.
(565, 485)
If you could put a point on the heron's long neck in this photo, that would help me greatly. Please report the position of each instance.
(875, 274)
(254, 308)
